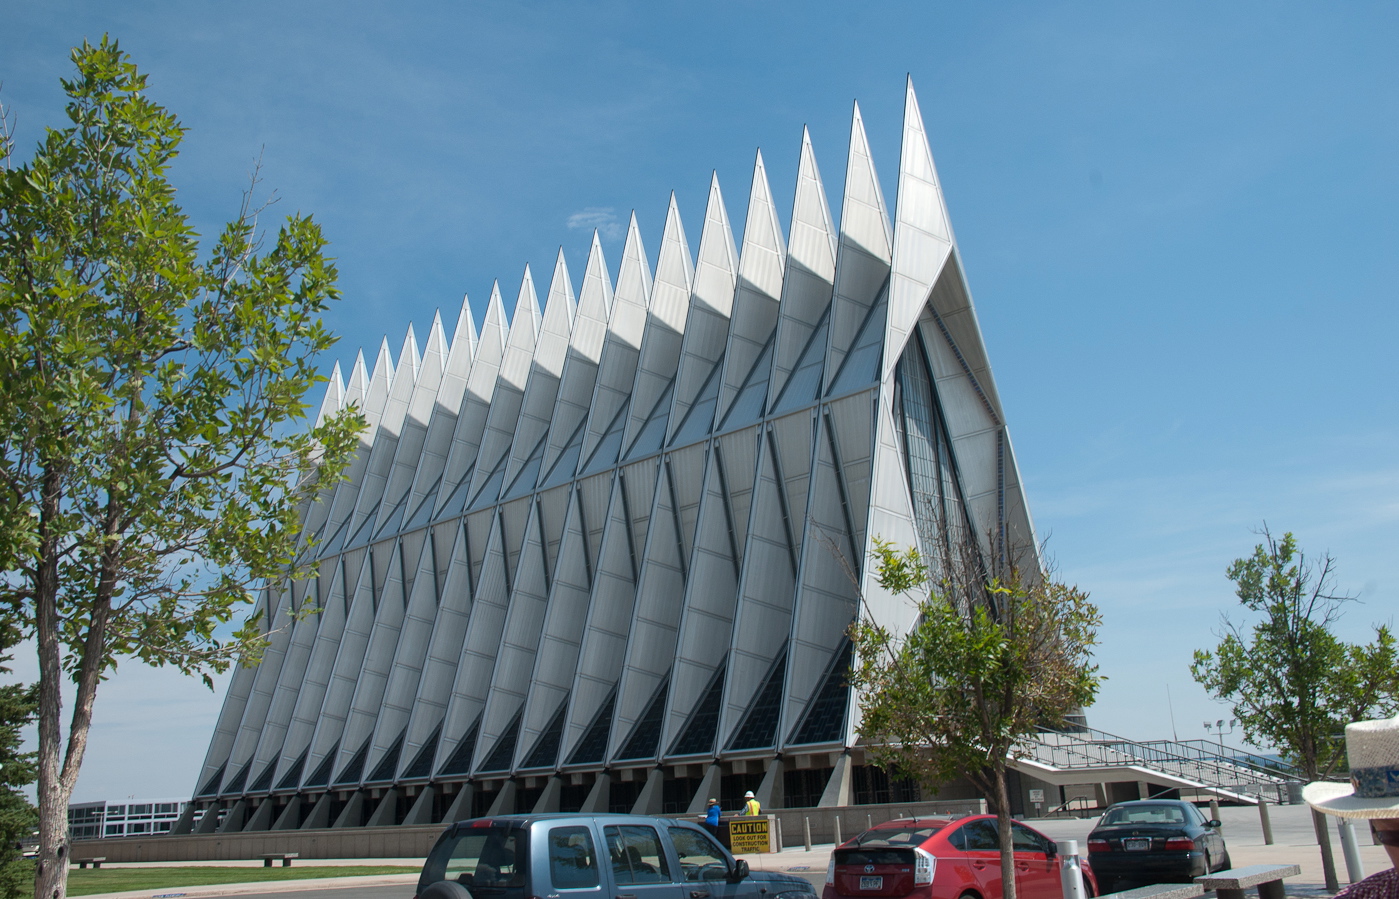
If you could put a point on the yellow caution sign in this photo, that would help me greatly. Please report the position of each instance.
(748, 835)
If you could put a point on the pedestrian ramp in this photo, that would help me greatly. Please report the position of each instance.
(1195, 767)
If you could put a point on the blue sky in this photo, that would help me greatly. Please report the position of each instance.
(1178, 221)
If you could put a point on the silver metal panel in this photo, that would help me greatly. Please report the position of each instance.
(479, 649)
(310, 693)
(475, 407)
(443, 651)
(761, 264)
(866, 248)
(665, 325)
(621, 348)
(578, 382)
(711, 302)
(922, 234)
(811, 266)
(546, 369)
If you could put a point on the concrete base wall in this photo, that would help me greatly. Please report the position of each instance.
(414, 841)
(357, 842)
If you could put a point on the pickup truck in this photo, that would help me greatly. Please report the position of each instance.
(580, 856)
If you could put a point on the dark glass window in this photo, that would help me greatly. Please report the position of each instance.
(460, 762)
(646, 733)
(546, 751)
(388, 765)
(700, 857)
(293, 775)
(593, 746)
(699, 732)
(939, 511)
(977, 836)
(421, 766)
(504, 752)
(354, 768)
(759, 726)
(321, 776)
(636, 854)
(824, 718)
(572, 858)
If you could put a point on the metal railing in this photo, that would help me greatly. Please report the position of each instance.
(1209, 764)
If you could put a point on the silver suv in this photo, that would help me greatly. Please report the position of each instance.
(568, 856)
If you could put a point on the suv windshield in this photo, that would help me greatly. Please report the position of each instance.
(486, 858)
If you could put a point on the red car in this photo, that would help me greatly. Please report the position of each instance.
(944, 858)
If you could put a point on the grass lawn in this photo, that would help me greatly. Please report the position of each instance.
(85, 882)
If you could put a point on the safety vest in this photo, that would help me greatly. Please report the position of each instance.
(751, 807)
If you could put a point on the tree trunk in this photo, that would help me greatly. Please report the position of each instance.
(1008, 890)
(51, 866)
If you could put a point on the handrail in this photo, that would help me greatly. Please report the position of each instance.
(1195, 760)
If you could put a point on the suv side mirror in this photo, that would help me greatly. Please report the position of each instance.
(740, 870)
(1215, 822)
(1052, 849)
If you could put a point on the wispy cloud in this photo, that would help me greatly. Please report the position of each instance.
(603, 218)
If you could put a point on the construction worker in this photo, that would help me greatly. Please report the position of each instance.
(751, 806)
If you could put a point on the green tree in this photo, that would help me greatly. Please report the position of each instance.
(18, 702)
(153, 451)
(1292, 682)
(990, 661)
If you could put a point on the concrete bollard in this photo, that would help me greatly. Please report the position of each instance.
(806, 833)
(777, 823)
(1350, 849)
(1070, 872)
(837, 834)
(1214, 809)
(1267, 824)
(869, 822)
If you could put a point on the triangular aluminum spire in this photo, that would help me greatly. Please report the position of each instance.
(376, 394)
(811, 264)
(866, 247)
(542, 390)
(459, 357)
(391, 423)
(761, 267)
(465, 335)
(334, 394)
(409, 351)
(711, 303)
(475, 405)
(430, 368)
(408, 456)
(922, 234)
(660, 347)
(620, 350)
(579, 380)
(504, 412)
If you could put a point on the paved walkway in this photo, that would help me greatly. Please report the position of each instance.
(1294, 843)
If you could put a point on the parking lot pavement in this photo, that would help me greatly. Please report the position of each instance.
(1294, 843)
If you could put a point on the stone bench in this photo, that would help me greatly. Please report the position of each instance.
(1232, 883)
(95, 862)
(286, 858)
(1161, 891)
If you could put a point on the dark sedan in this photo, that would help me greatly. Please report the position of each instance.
(1155, 841)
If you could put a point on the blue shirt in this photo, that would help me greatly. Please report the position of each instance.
(711, 817)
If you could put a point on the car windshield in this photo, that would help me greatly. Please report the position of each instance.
(1145, 814)
(488, 859)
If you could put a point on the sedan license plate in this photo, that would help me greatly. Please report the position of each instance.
(1136, 845)
(871, 883)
